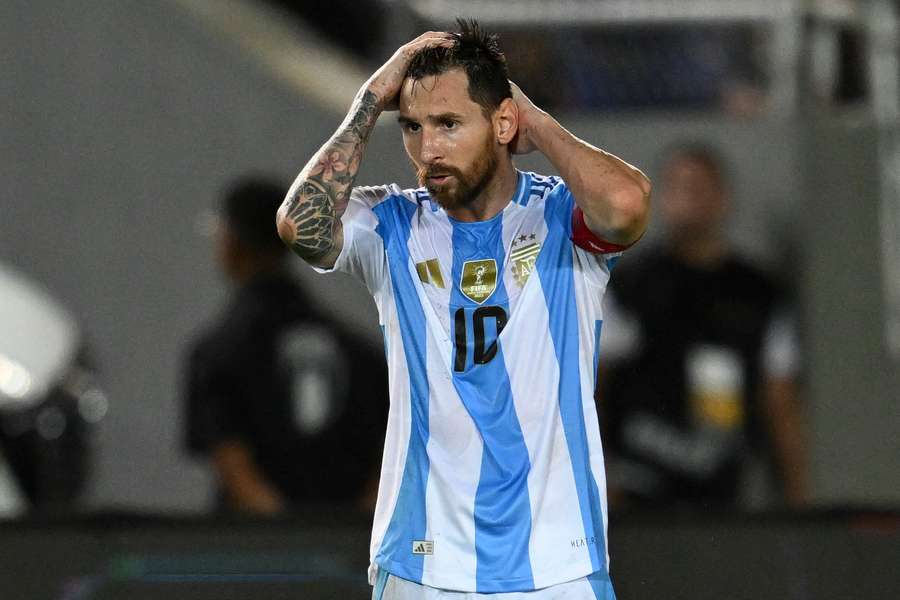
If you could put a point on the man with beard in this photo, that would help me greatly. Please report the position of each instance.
(488, 283)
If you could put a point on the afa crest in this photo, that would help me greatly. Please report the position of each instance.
(523, 260)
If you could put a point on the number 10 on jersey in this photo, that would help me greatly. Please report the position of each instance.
(484, 349)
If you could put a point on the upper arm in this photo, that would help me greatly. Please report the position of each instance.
(620, 216)
(359, 247)
(587, 239)
(566, 213)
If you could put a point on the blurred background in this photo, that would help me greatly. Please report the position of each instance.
(122, 123)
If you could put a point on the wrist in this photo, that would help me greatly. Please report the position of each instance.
(371, 94)
(381, 90)
(539, 127)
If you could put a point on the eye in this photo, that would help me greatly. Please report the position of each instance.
(449, 124)
(411, 127)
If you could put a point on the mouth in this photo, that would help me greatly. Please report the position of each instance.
(438, 179)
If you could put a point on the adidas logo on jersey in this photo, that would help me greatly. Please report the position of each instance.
(422, 547)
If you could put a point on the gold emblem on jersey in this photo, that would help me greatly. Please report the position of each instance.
(479, 279)
(523, 260)
(430, 272)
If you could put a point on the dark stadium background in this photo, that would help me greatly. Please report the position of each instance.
(119, 121)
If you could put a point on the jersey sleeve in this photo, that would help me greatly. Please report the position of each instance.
(362, 254)
(563, 213)
(587, 240)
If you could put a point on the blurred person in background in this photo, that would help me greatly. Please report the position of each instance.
(288, 407)
(702, 358)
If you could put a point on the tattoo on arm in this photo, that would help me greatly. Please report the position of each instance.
(320, 194)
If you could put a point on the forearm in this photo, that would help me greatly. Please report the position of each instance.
(614, 196)
(245, 487)
(309, 220)
(788, 438)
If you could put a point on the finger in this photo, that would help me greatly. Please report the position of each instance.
(438, 34)
(412, 49)
(432, 42)
(428, 34)
(431, 35)
(431, 38)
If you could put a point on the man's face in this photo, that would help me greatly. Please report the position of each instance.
(448, 138)
(693, 199)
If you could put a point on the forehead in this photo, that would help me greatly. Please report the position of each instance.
(435, 94)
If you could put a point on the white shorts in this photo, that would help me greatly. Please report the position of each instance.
(593, 587)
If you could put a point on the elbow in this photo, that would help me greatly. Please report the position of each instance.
(645, 186)
(632, 210)
(286, 229)
(621, 216)
(641, 204)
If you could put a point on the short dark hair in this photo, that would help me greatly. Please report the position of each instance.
(249, 205)
(478, 54)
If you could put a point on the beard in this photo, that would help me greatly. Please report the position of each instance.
(465, 187)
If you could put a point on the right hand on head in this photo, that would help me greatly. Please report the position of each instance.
(387, 80)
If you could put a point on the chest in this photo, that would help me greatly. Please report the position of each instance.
(490, 263)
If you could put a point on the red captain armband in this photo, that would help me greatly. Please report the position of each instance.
(586, 239)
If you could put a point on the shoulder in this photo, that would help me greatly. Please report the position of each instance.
(261, 309)
(649, 260)
(391, 204)
(423, 200)
(535, 189)
(547, 196)
(543, 185)
(212, 351)
(641, 272)
(373, 196)
(741, 272)
(394, 207)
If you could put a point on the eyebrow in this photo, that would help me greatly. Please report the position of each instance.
(447, 116)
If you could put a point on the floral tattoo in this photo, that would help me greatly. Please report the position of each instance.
(320, 195)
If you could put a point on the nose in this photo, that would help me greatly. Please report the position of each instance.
(432, 149)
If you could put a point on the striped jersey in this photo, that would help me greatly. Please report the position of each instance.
(492, 478)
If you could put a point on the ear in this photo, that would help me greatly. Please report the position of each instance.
(506, 121)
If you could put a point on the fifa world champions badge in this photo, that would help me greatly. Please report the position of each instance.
(479, 279)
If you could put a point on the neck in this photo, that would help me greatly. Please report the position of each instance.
(493, 198)
(700, 251)
(249, 269)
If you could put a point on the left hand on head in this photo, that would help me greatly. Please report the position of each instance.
(529, 114)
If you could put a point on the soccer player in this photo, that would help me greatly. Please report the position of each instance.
(488, 282)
